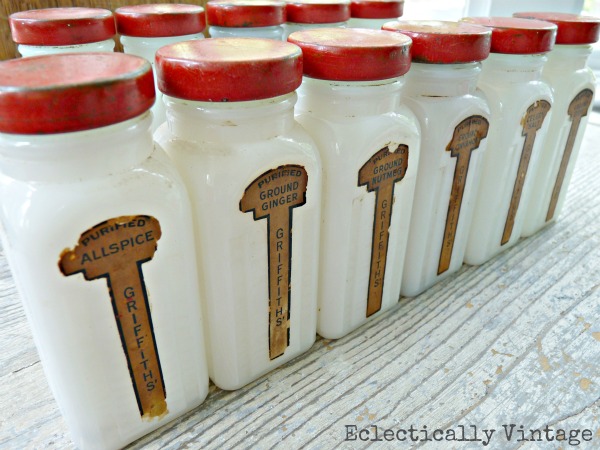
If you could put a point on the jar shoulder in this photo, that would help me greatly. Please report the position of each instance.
(293, 144)
(153, 187)
(515, 99)
(359, 137)
(437, 112)
(538, 88)
(570, 83)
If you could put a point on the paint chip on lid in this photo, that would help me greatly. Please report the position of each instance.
(229, 69)
(62, 26)
(73, 92)
(573, 29)
(518, 36)
(353, 54)
(441, 42)
(159, 20)
(245, 13)
(377, 9)
(317, 11)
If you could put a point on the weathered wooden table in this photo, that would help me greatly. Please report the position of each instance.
(515, 341)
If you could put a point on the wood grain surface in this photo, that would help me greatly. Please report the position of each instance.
(8, 49)
(515, 341)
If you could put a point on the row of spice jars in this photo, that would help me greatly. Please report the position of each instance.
(296, 228)
(272, 19)
(143, 29)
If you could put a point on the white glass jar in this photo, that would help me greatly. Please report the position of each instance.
(63, 30)
(374, 13)
(254, 175)
(246, 18)
(146, 28)
(573, 84)
(520, 103)
(307, 14)
(105, 265)
(454, 117)
(369, 146)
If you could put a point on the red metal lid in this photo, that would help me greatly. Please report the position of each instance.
(518, 36)
(572, 28)
(377, 9)
(62, 26)
(353, 54)
(438, 42)
(317, 11)
(229, 69)
(72, 92)
(158, 20)
(245, 13)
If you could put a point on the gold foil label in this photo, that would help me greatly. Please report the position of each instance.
(467, 136)
(532, 122)
(116, 250)
(380, 174)
(578, 108)
(273, 196)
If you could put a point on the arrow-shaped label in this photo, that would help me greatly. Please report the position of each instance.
(115, 250)
(466, 138)
(380, 174)
(578, 108)
(532, 122)
(273, 196)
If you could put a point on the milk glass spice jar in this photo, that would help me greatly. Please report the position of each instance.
(97, 229)
(63, 30)
(246, 18)
(307, 14)
(520, 103)
(374, 13)
(454, 117)
(573, 85)
(254, 176)
(370, 151)
(146, 28)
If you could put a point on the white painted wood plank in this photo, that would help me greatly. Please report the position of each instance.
(516, 340)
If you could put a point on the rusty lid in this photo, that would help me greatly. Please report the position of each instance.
(72, 92)
(439, 42)
(62, 26)
(159, 20)
(516, 36)
(377, 9)
(573, 29)
(353, 54)
(317, 11)
(245, 13)
(229, 69)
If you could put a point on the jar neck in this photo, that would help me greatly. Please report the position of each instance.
(232, 121)
(79, 155)
(270, 32)
(335, 98)
(442, 80)
(37, 50)
(146, 47)
(373, 24)
(292, 27)
(567, 58)
(502, 69)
